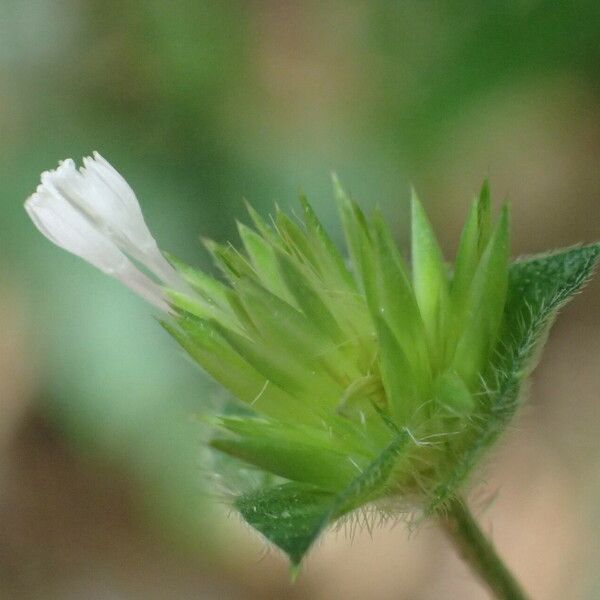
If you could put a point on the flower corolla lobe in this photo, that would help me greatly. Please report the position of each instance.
(93, 213)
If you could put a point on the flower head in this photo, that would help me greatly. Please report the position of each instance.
(350, 382)
(342, 360)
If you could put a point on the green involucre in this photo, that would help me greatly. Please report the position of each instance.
(367, 379)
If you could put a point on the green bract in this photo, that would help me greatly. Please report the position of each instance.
(372, 380)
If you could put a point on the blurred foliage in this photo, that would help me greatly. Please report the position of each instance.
(199, 104)
(459, 52)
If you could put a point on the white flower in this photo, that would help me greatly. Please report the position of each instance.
(93, 213)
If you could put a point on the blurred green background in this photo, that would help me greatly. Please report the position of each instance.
(202, 104)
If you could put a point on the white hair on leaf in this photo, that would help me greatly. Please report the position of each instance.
(93, 213)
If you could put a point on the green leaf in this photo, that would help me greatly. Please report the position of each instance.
(293, 515)
(283, 327)
(283, 370)
(307, 297)
(300, 454)
(356, 230)
(229, 260)
(246, 324)
(208, 287)
(331, 263)
(397, 375)
(196, 306)
(261, 225)
(484, 305)
(430, 279)
(473, 242)
(538, 288)
(264, 261)
(465, 265)
(484, 217)
(295, 240)
(453, 394)
(397, 305)
(226, 366)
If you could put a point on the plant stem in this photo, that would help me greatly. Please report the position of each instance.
(479, 553)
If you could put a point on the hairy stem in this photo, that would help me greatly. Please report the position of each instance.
(479, 553)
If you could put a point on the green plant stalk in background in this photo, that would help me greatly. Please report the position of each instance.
(353, 384)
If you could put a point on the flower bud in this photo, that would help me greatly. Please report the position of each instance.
(93, 213)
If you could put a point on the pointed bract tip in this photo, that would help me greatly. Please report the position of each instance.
(337, 186)
(484, 192)
(415, 204)
(294, 571)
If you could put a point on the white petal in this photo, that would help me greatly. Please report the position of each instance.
(108, 201)
(93, 213)
(107, 197)
(122, 216)
(66, 227)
